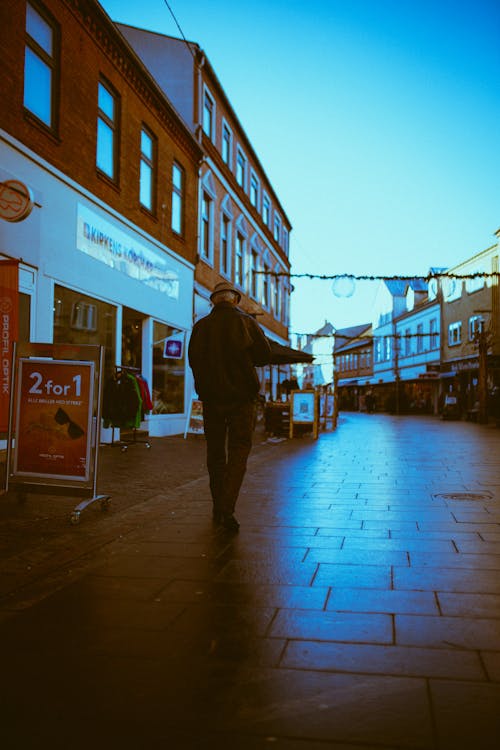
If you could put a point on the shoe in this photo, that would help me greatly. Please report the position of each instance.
(229, 522)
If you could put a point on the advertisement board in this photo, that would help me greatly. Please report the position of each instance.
(9, 314)
(194, 423)
(304, 410)
(53, 418)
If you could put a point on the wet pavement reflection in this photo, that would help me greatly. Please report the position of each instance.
(358, 607)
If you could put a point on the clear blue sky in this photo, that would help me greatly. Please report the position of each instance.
(377, 122)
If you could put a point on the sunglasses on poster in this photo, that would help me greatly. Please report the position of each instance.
(74, 430)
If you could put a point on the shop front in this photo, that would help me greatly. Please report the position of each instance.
(89, 276)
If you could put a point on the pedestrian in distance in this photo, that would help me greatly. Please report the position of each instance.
(224, 349)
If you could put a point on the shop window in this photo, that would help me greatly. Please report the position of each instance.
(84, 316)
(41, 65)
(168, 374)
(79, 319)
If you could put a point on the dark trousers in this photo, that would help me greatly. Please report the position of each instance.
(228, 432)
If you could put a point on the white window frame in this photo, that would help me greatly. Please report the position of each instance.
(148, 170)
(475, 322)
(455, 333)
(111, 123)
(239, 258)
(277, 227)
(225, 245)
(206, 227)
(208, 96)
(227, 129)
(254, 190)
(243, 164)
(433, 334)
(266, 209)
(178, 199)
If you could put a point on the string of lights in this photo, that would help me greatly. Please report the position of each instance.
(375, 277)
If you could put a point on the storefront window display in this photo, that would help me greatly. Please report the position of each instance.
(168, 373)
(79, 319)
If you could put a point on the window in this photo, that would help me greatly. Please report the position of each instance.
(254, 262)
(107, 136)
(407, 342)
(147, 170)
(454, 333)
(277, 227)
(227, 144)
(265, 286)
(208, 115)
(475, 326)
(40, 66)
(206, 227)
(286, 241)
(277, 297)
(225, 245)
(239, 269)
(420, 338)
(387, 347)
(266, 210)
(177, 198)
(434, 339)
(79, 319)
(241, 169)
(168, 374)
(254, 190)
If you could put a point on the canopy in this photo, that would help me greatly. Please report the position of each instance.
(285, 355)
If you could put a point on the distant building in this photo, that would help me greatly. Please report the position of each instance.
(353, 355)
(320, 346)
(471, 307)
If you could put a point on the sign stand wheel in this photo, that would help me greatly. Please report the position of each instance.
(75, 517)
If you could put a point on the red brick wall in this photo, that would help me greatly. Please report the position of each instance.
(90, 47)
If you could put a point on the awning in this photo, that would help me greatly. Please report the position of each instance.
(285, 355)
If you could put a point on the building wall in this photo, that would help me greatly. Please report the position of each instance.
(91, 47)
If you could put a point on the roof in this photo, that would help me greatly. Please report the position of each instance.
(345, 336)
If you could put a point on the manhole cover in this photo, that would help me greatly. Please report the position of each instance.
(464, 495)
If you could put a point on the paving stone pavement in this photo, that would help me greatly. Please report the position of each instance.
(358, 607)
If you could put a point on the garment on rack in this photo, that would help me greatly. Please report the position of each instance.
(122, 402)
(147, 404)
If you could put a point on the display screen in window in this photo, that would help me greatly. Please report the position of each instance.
(168, 375)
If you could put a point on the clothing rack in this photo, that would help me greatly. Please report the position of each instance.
(124, 444)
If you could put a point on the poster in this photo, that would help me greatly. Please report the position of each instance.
(9, 312)
(195, 421)
(303, 406)
(53, 418)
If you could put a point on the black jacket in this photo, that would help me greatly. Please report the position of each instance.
(224, 348)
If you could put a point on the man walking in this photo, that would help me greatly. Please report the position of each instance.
(224, 349)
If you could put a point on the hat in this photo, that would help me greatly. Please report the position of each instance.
(224, 286)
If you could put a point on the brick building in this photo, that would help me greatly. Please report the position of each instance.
(107, 254)
(243, 228)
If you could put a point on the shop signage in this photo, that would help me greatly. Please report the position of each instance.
(464, 365)
(53, 419)
(304, 410)
(16, 200)
(174, 346)
(9, 312)
(105, 242)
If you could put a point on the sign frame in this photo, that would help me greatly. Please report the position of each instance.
(81, 419)
(304, 410)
